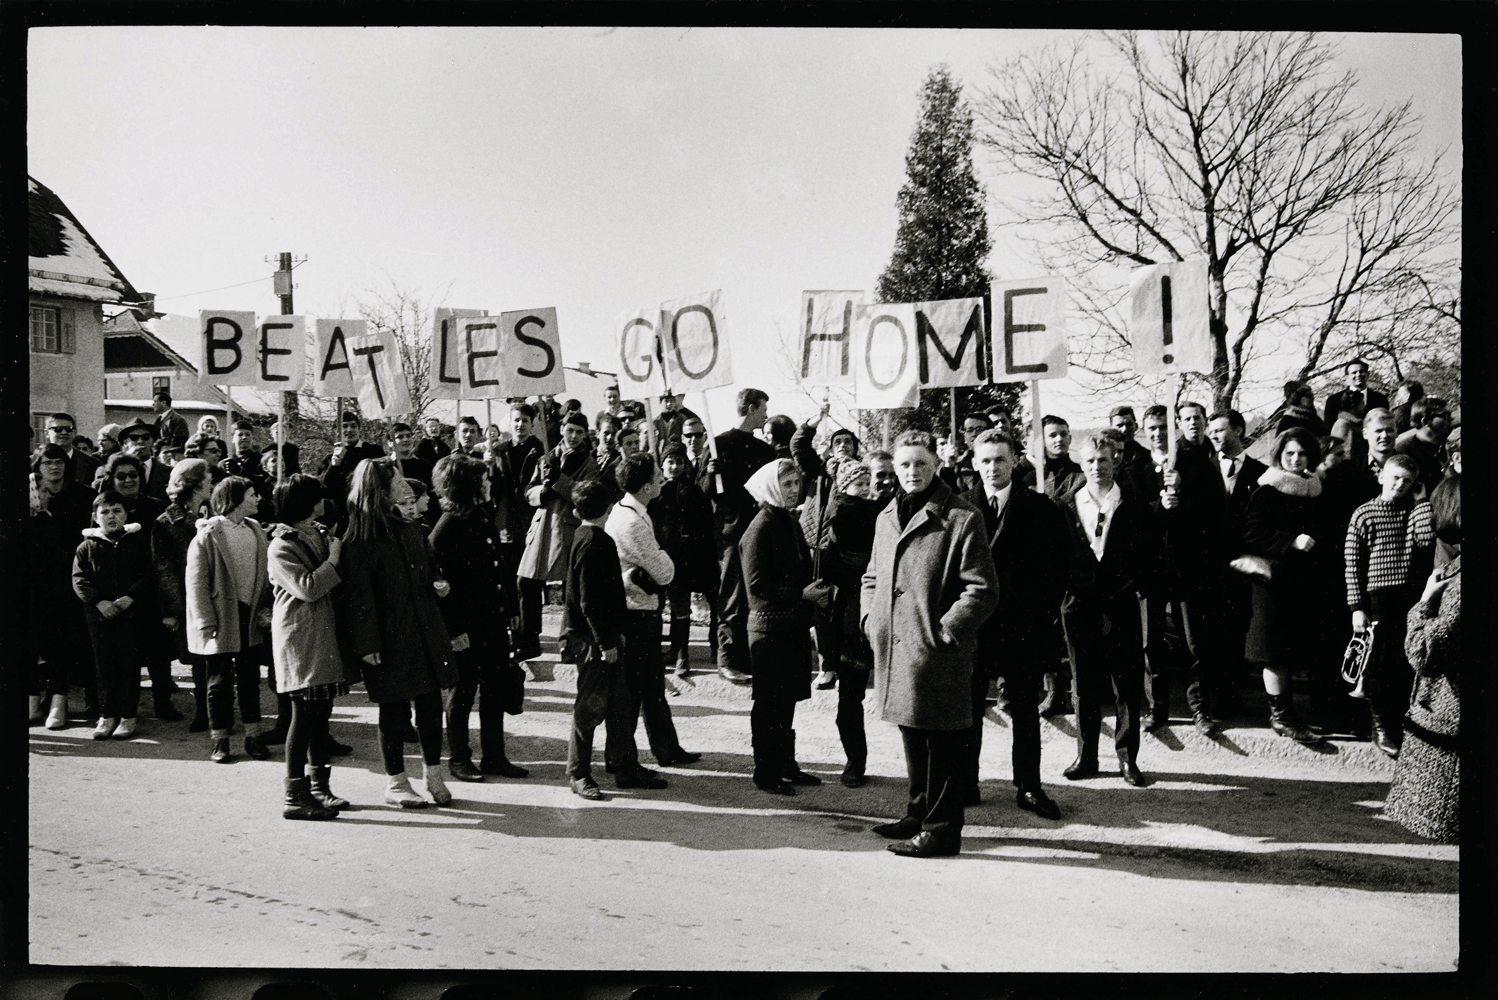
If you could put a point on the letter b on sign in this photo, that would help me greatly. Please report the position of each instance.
(226, 343)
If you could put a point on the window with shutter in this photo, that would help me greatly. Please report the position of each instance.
(44, 329)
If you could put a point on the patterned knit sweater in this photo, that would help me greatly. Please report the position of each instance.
(1388, 545)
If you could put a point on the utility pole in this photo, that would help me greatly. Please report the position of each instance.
(290, 407)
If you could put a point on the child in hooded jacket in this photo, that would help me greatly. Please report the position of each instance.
(114, 577)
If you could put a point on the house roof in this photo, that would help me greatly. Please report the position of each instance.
(130, 347)
(63, 259)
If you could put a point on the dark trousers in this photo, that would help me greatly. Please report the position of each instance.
(394, 715)
(158, 646)
(933, 759)
(852, 687)
(199, 685)
(830, 641)
(602, 696)
(1022, 683)
(479, 675)
(647, 684)
(530, 608)
(307, 736)
(117, 665)
(733, 612)
(770, 722)
(1201, 620)
(1105, 645)
(1389, 681)
(1156, 658)
(228, 672)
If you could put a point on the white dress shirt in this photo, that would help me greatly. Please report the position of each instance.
(1000, 500)
(1090, 508)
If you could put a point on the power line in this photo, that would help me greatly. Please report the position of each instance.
(185, 295)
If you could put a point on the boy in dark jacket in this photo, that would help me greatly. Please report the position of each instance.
(596, 625)
(683, 517)
(113, 575)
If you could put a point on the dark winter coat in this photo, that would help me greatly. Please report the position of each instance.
(595, 589)
(483, 595)
(1293, 611)
(928, 589)
(518, 463)
(548, 541)
(777, 568)
(850, 543)
(106, 569)
(683, 518)
(389, 607)
(1196, 554)
(1130, 565)
(740, 455)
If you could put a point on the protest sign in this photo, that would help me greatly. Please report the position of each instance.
(826, 350)
(949, 342)
(1170, 318)
(531, 351)
(639, 353)
(332, 365)
(379, 379)
(226, 347)
(281, 350)
(1029, 329)
(446, 378)
(884, 364)
(693, 343)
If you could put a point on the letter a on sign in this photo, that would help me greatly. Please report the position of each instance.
(333, 364)
(281, 350)
(884, 361)
(226, 342)
(1169, 318)
(446, 378)
(693, 343)
(1029, 329)
(826, 349)
(639, 353)
(531, 347)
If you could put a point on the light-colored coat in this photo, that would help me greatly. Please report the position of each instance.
(926, 592)
(303, 628)
(548, 541)
(633, 533)
(213, 597)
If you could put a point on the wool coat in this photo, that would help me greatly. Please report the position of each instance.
(389, 607)
(106, 569)
(212, 594)
(483, 596)
(683, 518)
(777, 568)
(927, 591)
(304, 624)
(548, 542)
(1292, 612)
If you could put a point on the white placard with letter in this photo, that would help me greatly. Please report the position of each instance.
(949, 342)
(332, 365)
(694, 344)
(281, 353)
(446, 378)
(639, 356)
(1170, 320)
(531, 349)
(826, 347)
(884, 362)
(482, 369)
(1029, 329)
(226, 347)
(378, 376)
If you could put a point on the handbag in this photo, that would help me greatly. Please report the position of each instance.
(512, 693)
(1260, 569)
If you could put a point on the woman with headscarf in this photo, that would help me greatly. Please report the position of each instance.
(1425, 797)
(778, 578)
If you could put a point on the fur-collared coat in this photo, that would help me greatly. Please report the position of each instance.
(928, 589)
(212, 594)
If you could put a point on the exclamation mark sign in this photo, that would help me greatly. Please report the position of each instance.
(1165, 316)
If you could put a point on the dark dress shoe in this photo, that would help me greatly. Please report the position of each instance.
(1082, 767)
(1038, 803)
(643, 778)
(503, 768)
(679, 758)
(1130, 772)
(796, 776)
(926, 845)
(528, 651)
(1153, 723)
(221, 754)
(774, 786)
(1204, 723)
(902, 829)
(734, 676)
(588, 789)
(463, 770)
(255, 747)
(853, 779)
(336, 749)
(274, 737)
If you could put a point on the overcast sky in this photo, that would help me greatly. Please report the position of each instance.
(590, 169)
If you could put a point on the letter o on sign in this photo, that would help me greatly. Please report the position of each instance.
(712, 327)
(868, 354)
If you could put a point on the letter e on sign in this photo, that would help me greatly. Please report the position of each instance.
(531, 344)
(282, 350)
(1029, 329)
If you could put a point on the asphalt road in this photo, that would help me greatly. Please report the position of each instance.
(145, 853)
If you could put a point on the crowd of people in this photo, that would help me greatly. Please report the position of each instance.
(417, 567)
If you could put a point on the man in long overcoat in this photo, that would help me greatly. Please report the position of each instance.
(929, 587)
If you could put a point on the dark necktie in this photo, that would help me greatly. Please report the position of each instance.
(1097, 532)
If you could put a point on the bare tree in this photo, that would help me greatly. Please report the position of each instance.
(1247, 149)
(405, 313)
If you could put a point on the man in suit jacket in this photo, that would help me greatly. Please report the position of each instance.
(348, 451)
(1357, 398)
(1240, 478)
(518, 459)
(1027, 534)
(740, 454)
(1114, 550)
(170, 425)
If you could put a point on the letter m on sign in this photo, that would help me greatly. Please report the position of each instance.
(936, 325)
